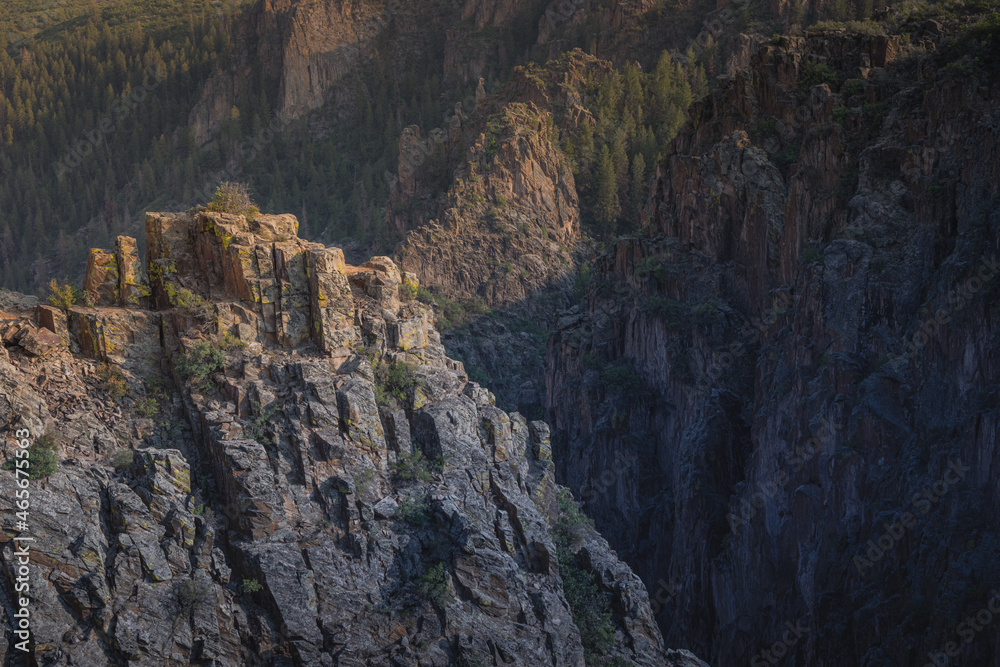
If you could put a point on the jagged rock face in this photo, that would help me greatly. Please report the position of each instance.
(750, 402)
(306, 49)
(256, 512)
(511, 215)
(309, 50)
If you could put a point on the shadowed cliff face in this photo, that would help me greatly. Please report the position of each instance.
(277, 464)
(781, 406)
(309, 54)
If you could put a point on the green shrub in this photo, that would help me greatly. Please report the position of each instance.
(112, 380)
(875, 115)
(43, 458)
(233, 198)
(191, 593)
(651, 267)
(198, 509)
(451, 313)
(121, 459)
(252, 586)
(393, 380)
(708, 313)
(64, 296)
(853, 87)
(812, 255)
(364, 481)
(412, 467)
(230, 342)
(182, 297)
(813, 74)
(201, 362)
(786, 157)
(147, 406)
(259, 428)
(415, 511)
(619, 378)
(408, 291)
(434, 585)
(589, 606)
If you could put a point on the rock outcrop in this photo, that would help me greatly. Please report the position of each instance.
(753, 403)
(279, 465)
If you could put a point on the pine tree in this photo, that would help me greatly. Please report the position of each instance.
(640, 187)
(606, 207)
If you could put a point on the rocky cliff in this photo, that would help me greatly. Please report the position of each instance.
(275, 463)
(313, 54)
(780, 405)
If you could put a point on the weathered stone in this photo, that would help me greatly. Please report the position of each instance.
(133, 289)
(275, 227)
(39, 342)
(385, 508)
(101, 280)
(331, 301)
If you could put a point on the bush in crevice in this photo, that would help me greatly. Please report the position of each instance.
(415, 511)
(589, 606)
(259, 428)
(201, 362)
(112, 380)
(434, 585)
(191, 593)
(42, 458)
(393, 380)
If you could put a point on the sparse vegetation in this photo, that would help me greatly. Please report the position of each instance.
(412, 467)
(251, 586)
(42, 459)
(619, 378)
(147, 406)
(233, 198)
(451, 313)
(64, 296)
(200, 362)
(190, 594)
(121, 459)
(112, 380)
(707, 313)
(393, 381)
(590, 607)
(259, 428)
(434, 585)
(182, 297)
(415, 511)
(230, 342)
(812, 255)
(651, 267)
(813, 74)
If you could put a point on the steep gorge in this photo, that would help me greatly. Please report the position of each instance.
(260, 455)
(755, 394)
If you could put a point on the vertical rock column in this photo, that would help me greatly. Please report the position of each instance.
(101, 280)
(116, 279)
(330, 301)
(132, 287)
